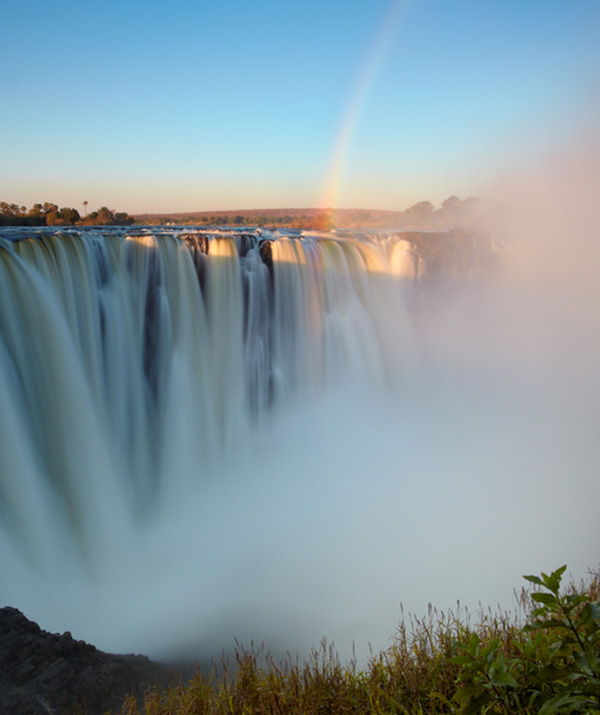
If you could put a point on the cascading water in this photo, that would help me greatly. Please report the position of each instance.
(124, 355)
(134, 364)
(211, 435)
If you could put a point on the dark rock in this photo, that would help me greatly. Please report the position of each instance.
(43, 672)
(266, 253)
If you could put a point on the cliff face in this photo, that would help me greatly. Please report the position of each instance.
(43, 672)
(451, 254)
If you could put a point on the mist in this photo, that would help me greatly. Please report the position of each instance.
(477, 464)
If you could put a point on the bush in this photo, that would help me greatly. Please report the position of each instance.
(552, 665)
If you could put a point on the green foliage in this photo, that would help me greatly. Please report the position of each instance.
(105, 217)
(552, 664)
(64, 217)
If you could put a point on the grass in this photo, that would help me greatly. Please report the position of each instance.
(543, 659)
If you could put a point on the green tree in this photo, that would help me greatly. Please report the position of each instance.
(49, 208)
(123, 218)
(70, 215)
(105, 216)
(36, 211)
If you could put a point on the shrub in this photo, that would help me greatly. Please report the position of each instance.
(551, 665)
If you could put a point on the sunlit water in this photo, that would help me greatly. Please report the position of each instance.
(202, 440)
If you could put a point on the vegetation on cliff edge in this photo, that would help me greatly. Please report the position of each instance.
(545, 660)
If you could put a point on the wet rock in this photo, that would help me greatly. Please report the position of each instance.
(266, 253)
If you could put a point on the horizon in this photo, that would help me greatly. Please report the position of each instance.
(185, 108)
(283, 208)
(256, 208)
(252, 210)
(471, 213)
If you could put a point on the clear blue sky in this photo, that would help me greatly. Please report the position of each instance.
(190, 105)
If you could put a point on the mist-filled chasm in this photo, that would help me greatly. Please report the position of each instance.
(269, 436)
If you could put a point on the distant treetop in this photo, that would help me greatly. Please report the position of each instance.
(48, 214)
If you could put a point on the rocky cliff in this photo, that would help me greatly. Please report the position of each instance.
(43, 672)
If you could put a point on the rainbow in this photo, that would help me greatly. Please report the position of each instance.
(373, 59)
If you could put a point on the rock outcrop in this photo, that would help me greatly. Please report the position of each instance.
(43, 672)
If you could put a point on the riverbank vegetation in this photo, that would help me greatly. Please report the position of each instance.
(544, 658)
(48, 214)
(453, 213)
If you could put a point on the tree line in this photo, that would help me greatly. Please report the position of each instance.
(321, 220)
(453, 213)
(423, 216)
(49, 214)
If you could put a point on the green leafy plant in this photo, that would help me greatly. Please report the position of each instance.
(551, 665)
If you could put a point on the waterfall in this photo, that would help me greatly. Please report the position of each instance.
(129, 357)
(272, 435)
(134, 365)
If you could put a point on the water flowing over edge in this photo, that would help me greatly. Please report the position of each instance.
(130, 356)
(152, 381)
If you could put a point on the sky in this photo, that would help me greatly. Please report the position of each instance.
(192, 106)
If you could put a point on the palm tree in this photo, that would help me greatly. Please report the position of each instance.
(85, 203)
